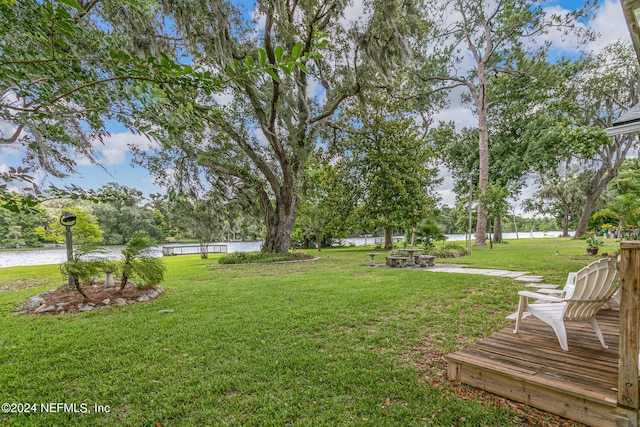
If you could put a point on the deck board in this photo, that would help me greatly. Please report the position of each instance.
(530, 367)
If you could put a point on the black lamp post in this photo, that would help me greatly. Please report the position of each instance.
(68, 220)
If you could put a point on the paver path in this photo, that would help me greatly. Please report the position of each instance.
(519, 276)
(458, 268)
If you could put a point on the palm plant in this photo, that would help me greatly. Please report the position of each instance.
(85, 264)
(138, 261)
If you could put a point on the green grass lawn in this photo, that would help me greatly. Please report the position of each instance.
(329, 342)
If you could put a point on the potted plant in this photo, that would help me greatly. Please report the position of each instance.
(593, 244)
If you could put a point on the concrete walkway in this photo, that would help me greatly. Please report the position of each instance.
(520, 276)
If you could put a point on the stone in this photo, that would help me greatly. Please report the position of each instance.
(60, 309)
(34, 303)
(131, 301)
(106, 301)
(121, 302)
(143, 298)
(152, 294)
(46, 309)
(165, 311)
(92, 304)
(85, 308)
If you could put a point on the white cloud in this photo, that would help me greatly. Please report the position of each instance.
(262, 139)
(354, 12)
(259, 19)
(316, 90)
(461, 116)
(224, 98)
(113, 149)
(610, 24)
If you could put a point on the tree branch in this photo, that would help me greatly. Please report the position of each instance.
(13, 138)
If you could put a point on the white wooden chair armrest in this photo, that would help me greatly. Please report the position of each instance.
(540, 296)
(541, 286)
(551, 291)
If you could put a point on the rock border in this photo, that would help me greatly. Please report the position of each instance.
(37, 303)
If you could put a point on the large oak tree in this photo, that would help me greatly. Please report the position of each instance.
(258, 140)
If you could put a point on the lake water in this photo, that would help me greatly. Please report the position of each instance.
(363, 241)
(59, 255)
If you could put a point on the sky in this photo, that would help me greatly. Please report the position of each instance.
(116, 158)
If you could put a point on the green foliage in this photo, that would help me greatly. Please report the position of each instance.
(623, 197)
(594, 242)
(86, 263)
(385, 167)
(138, 262)
(120, 215)
(496, 35)
(561, 194)
(428, 232)
(494, 199)
(449, 250)
(86, 231)
(19, 227)
(261, 257)
(202, 218)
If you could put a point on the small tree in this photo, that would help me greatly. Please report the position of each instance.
(428, 232)
(138, 261)
(87, 231)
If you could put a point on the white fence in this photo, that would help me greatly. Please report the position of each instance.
(192, 249)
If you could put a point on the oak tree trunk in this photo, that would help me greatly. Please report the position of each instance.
(565, 221)
(587, 209)
(388, 241)
(497, 230)
(279, 220)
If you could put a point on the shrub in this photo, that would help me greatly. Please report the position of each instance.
(260, 257)
(138, 261)
(428, 232)
(450, 250)
(86, 263)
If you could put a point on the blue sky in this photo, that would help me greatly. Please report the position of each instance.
(116, 158)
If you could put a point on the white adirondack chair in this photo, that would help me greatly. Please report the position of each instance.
(594, 286)
(566, 291)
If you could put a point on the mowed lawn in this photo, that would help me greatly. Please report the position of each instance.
(328, 342)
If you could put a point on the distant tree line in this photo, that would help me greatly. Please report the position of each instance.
(124, 212)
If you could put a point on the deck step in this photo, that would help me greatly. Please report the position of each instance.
(530, 367)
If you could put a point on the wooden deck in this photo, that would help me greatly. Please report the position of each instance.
(530, 367)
